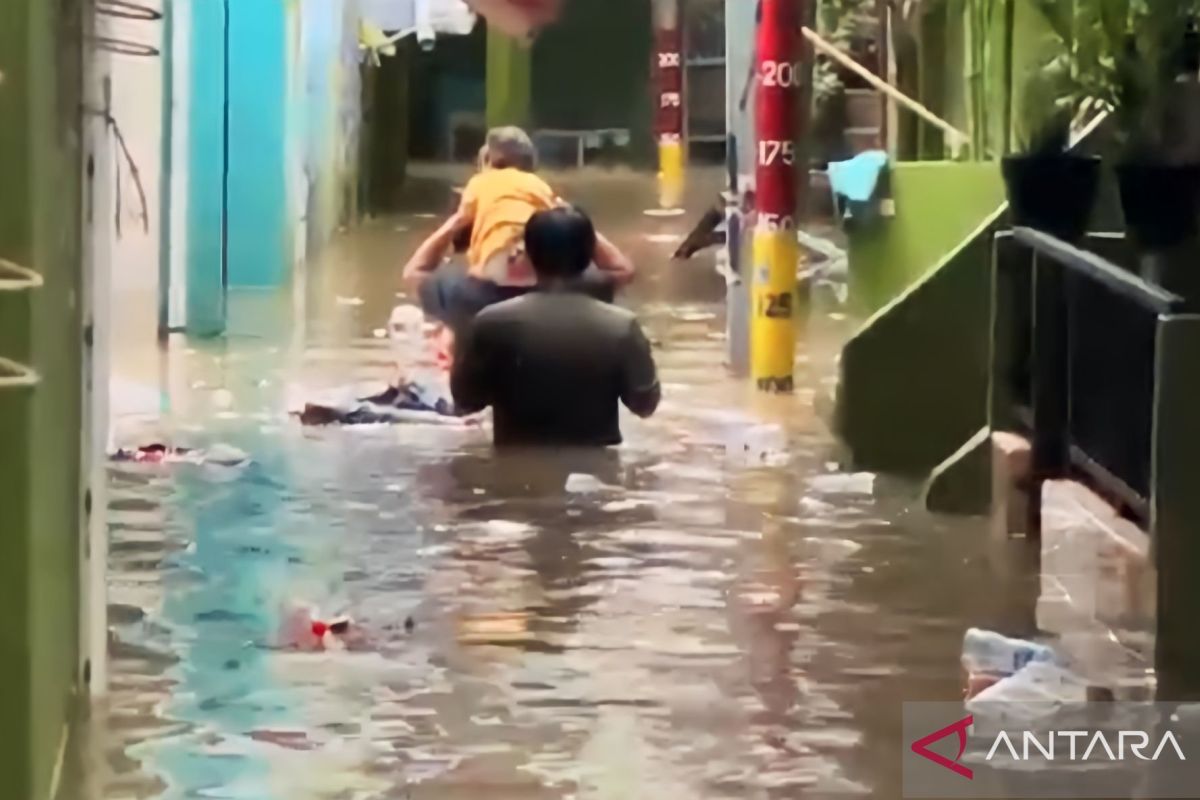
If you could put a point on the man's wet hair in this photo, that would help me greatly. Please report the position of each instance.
(511, 148)
(560, 242)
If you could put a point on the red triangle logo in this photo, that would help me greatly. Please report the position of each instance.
(921, 747)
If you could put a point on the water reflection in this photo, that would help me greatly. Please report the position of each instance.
(689, 615)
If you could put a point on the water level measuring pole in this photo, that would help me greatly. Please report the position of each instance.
(669, 111)
(776, 251)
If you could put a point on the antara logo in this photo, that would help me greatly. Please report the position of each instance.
(921, 747)
(1098, 746)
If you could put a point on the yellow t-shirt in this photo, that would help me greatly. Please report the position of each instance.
(501, 201)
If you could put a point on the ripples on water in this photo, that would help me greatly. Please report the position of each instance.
(697, 621)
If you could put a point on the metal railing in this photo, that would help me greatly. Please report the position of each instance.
(1082, 338)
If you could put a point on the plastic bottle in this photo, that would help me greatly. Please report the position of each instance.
(406, 329)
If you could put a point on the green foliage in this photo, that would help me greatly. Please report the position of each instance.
(840, 22)
(1118, 56)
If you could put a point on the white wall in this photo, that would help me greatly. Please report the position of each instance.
(133, 231)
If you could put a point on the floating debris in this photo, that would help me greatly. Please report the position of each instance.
(582, 483)
(830, 551)
(695, 316)
(661, 238)
(618, 506)
(856, 483)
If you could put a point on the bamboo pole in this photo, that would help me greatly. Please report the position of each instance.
(957, 138)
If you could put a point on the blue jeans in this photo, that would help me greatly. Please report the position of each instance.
(453, 297)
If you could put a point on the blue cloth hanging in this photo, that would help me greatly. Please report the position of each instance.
(855, 183)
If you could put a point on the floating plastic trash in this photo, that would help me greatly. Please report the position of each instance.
(857, 483)
(304, 628)
(618, 506)
(993, 653)
(828, 550)
(222, 398)
(1027, 694)
(580, 483)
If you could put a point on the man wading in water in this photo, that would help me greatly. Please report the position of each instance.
(554, 365)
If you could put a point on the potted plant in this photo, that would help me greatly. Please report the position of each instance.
(1125, 57)
(1159, 181)
(1049, 187)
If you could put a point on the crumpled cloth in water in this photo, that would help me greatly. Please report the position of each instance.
(395, 404)
(856, 182)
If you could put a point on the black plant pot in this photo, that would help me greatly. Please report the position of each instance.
(1052, 192)
(1161, 203)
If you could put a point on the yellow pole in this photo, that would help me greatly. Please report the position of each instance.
(670, 172)
(775, 307)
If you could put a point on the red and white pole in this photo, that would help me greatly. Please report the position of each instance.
(669, 114)
(776, 250)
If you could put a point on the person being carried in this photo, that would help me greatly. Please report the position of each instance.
(555, 364)
(495, 205)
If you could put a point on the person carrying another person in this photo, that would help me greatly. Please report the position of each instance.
(495, 205)
(554, 364)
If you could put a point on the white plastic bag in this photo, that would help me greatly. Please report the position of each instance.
(991, 653)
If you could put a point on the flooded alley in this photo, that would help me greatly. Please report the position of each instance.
(599, 399)
(714, 610)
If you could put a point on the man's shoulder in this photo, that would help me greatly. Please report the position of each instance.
(533, 305)
(505, 309)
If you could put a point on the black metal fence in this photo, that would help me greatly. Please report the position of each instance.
(1077, 340)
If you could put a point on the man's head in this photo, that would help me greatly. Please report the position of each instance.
(510, 148)
(560, 243)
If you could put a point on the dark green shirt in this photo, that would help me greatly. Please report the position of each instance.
(554, 367)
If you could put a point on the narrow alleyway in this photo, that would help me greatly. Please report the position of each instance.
(718, 613)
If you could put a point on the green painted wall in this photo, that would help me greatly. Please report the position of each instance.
(509, 80)
(39, 428)
(385, 133)
(914, 386)
(915, 377)
(938, 204)
(591, 69)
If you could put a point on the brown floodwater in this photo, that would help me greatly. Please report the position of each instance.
(718, 611)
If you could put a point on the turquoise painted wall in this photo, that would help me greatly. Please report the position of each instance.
(321, 26)
(206, 266)
(258, 243)
(239, 216)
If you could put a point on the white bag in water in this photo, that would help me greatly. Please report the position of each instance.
(225, 455)
(410, 348)
(1026, 696)
(995, 654)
